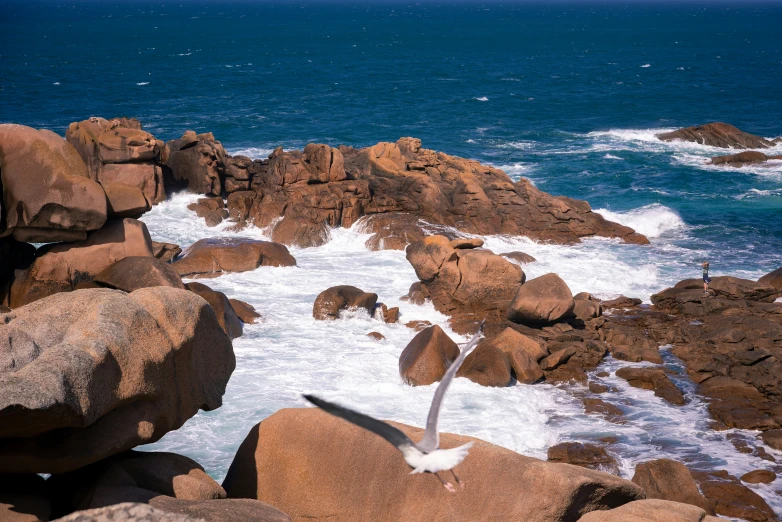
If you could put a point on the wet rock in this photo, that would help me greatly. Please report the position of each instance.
(519, 257)
(653, 379)
(750, 157)
(717, 134)
(134, 272)
(197, 161)
(124, 200)
(417, 324)
(418, 294)
(24, 498)
(213, 256)
(226, 316)
(334, 300)
(668, 479)
(759, 476)
(773, 438)
(92, 373)
(732, 498)
(61, 267)
(245, 311)
(47, 193)
(543, 300)
(737, 404)
(166, 252)
(608, 410)
(391, 231)
(383, 313)
(211, 209)
(377, 336)
(460, 281)
(583, 455)
(466, 243)
(595, 387)
(487, 365)
(290, 452)
(648, 511)
(621, 302)
(426, 358)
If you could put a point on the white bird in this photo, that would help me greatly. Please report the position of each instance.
(425, 456)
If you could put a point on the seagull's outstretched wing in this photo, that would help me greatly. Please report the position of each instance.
(388, 432)
(431, 439)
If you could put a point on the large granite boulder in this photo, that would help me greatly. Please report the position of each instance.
(543, 300)
(92, 373)
(718, 134)
(119, 151)
(61, 267)
(427, 356)
(123, 200)
(773, 279)
(47, 194)
(300, 195)
(213, 256)
(134, 272)
(226, 315)
(198, 162)
(459, 280)
(667, 479)
(286, 460)
(487, 365)
(334, 300)
(650, 511)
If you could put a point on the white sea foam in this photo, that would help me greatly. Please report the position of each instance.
(482, 98)
(516, 144)
(142, 83)
(757, 193)
(56, 83)
(611, 156)
(644, 66)
(515, 170)
(651, 220)
(251, 152)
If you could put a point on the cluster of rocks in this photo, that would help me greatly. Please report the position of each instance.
(726, 136)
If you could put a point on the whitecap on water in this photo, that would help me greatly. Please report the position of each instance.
(611, 156)
(482, 98)
(651, 220)
(251, 152)
(142, 83)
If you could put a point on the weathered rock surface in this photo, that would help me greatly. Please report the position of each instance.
(391, 231)
(47, 194)
(519, 257)
(648, 511)
(166, 252)
(773, 279)
(92, 373)
(119, 151)
(487, 365)
(334, 300)
(621, 302)
(523, 354)
(667, 479)
(759, 476)
(226, 316)
(198, 162)
(653, 379)
(211, 257)
(322, 187)
(127, 512)
(459, 281)
(718, 134)
(732, 498)
(134, 272)
(61, 267)
(543, 300)
(584, 455)
(245, 311)
(286, 458)
(124, 200)
(426, 358)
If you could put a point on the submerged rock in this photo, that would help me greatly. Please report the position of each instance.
(284, 460)
(91, 373)
(742, 159)
(211, 257)
(332, 301)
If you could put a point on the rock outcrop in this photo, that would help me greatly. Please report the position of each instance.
(61, 267)
(92, 373)
(653, 379)
(667, 479)
(773, 279)
(426, 358)
(286, 459)
(47, 194)
(211, 257)
(742, 159)
(134, 272)
(198, 162)
(718, 134)
(119, 152)
(334, 300)
(299, 195)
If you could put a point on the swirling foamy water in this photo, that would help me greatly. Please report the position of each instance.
(290, 353)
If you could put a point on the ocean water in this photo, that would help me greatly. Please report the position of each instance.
(569, 95)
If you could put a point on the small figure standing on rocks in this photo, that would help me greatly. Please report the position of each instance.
(706, 278)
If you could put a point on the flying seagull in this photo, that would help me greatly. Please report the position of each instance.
(425, 456)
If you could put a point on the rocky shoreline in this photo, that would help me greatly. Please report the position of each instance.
(104, 347)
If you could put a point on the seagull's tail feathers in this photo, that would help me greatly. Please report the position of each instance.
(442, 459)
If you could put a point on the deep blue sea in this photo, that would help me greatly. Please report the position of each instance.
(569, 95)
